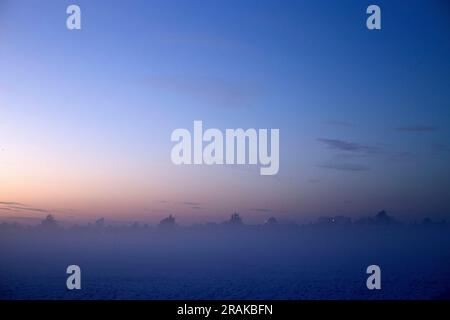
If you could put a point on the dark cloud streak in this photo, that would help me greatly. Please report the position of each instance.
(345, 167)
(416, 128)
(343, 145)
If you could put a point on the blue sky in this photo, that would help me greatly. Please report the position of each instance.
(87, 114)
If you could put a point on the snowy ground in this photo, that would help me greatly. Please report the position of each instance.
(300, 263)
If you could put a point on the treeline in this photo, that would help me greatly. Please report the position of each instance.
(50, 223)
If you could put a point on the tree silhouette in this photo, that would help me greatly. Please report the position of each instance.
(49, 222)
(100, 223)
(235, 219)
(168, 222)
(271, 221)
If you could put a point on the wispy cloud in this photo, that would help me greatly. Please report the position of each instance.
(343, 145)
(348, 152)
(21, 207)
(190, 203)
(417, 128)
(8, 203)
(27, 209)
(440, 149)
(349, 156)
(338, 123)
(345, 167)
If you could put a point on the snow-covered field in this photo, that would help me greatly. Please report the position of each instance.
(249, 263)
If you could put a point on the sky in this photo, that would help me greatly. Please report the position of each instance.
(86, 115)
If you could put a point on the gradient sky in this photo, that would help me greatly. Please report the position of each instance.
(86, 116)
